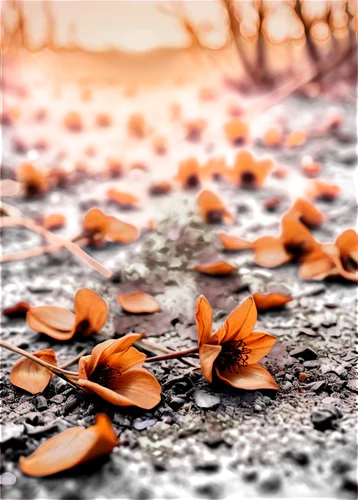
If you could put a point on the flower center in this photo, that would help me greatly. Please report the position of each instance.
(192, 181)
(248, 179)
(105, 375)
(234, 355)
(214, 216)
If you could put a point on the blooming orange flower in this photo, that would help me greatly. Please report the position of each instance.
(138, 303)
(114, 370)
(30, 376)
(267, 301)
(218, 268)
(33, 178)
(100, 227)
(233, 351)
(321, 190)
(236, 131)
(248, 172)
(212, 208)
(189, 173)
(121, 198)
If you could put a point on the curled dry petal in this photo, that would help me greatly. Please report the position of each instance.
(234, 243)
(218, 268)
(70, 448)
(91, 312)
(30, 376)
(138, 303)
(56, 322)
(251, 377)
(18, 310)
(121, 198)
(212, 208)
(267, 301)
(270, 252)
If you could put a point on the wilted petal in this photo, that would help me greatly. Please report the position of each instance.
(70, 448)
(121, 232)
(138, 303)
(267, 301)
(136, 387)
(30, 376)
(260, 344)
(208, 354)
(219, 268)
(240, 323)
(121, 198)
(55, 322)
(234, 243)
(270, 252)
(204, 320)
(91, 312)
(251, 377)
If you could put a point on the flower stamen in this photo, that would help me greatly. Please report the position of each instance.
(234, 355)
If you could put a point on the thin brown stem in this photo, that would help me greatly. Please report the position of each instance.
(148, 345)
(70, 376)
(73, 360)
(173, 355)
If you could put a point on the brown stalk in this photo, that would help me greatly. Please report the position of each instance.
(173, 355)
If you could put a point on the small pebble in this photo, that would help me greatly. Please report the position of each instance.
(328, 400)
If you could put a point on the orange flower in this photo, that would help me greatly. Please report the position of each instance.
(214, 168)
(234, 243)
(30, 376)
(122, 199)
(209, 204)
(321, 190)
(273, 137)
(189, 173)
(233, 351)
(114, 371)
(54, 221)
(33, 178)
(70, 448)
(265, 302)
(100, 227)
(306, 212)
(73, 121)
(138, 303)
(218, 268)
(248, 172)
(194, 129)
(296, 139)
(236, 131)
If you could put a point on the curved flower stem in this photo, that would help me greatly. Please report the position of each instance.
(73, 360)
(67, 375)
(173, 355)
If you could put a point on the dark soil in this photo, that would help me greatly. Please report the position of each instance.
(201, 441)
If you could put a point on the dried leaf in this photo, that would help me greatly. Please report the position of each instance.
(30, 376)
(138, 303)
(219, 268)
(70, 448)
(269, 300)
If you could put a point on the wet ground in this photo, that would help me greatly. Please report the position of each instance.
(201, 441)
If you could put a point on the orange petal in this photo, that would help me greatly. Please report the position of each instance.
(126, 359)
(122, 199)
(136, 387)
(347, 244)
(30, 376)
(296, 139)
(138, 303)
(297, 239)
(204, 320)
(241, 321)
(55, 322)
(91, 312)
(102, 351)
(270, 252)
(54, 221)
(208, 354)
(219, 268)
(121, 232)
(189, 173)
(34, 177)
(18, 310)
(251, 172)
(9, 187)
(320, 263)
(212, 208)
(234, 243)
(70, 448)
(273, 137)
(236, 131)
(318, 189)
(267, 301)
(260, 344)
(251, 377)
(215, 167)
(95, 221)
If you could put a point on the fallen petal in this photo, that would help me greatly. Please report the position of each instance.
(267, 301)
(138, 303)
(55, 322)
(121, 198)
(91, 312)
(251, 377)
(219, 268)
(121, 232)
(70, 448)
(234, 243)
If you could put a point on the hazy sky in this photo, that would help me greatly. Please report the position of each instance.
(126, 24)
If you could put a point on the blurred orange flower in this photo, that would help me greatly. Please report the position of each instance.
(212, 208)
(121, 198)
(272, 137)
(296, 139)
(70, 448)
(194, 129)
(236, 131)
(103, 120)
(54, 221)
(160, 145)
(33, 177)
(321, 190)
(100, 227)
(233, 351)
(218, 268)
(214, 168)
(306, 212)
(248, 172)
(189, 173)
(73, 121)
(267, 301)
(114, 372)
(137, 126)
(138, 303)
(234, 243)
